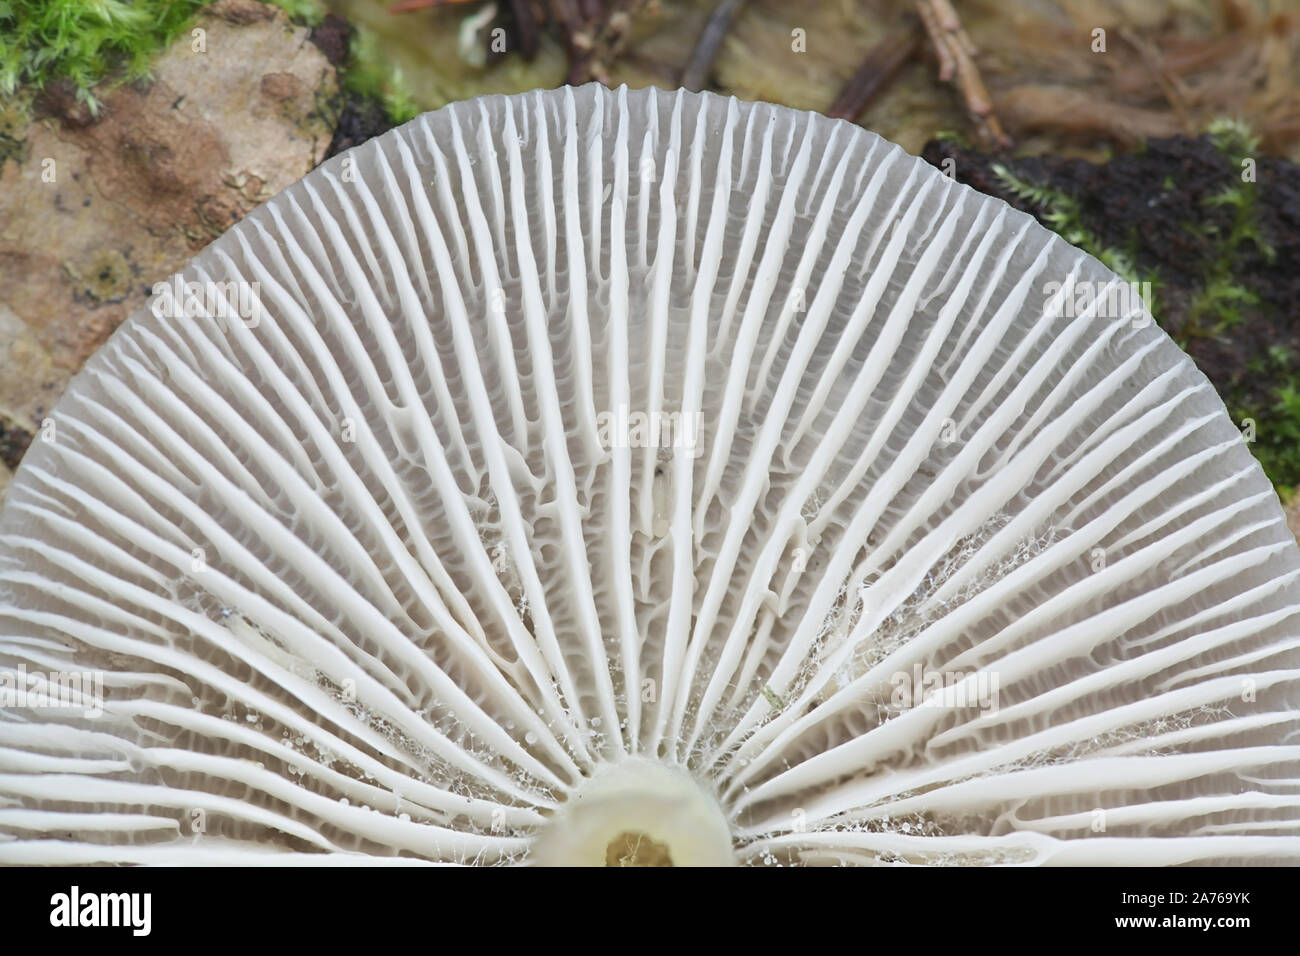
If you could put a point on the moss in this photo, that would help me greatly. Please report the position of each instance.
(1232, 137)
(84, 40)
(369, 75)
(99, 42)
(953, 136)
(1276, 428)
(308, 12)
(1218, 305)
(1276, 442)
(88, 41)
(1217, 308)
(12, 144)
(1062, 213)
(1239, 146)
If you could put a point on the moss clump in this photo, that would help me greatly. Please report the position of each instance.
(309, 12)
(1224, 301)
(1219, 305)
(1064, 214)
(89, 42)
(86, 41)
(1272, 423)
(1213, 226)
(12, 145)
(369, 75)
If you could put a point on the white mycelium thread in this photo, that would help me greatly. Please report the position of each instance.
(394, 571)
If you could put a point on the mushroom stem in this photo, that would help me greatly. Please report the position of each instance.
(637, 812)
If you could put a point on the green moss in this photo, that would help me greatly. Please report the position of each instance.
(309, 12)
(1277, 436)
(1221, 298)
(1276, 442)
(1061, 213)
(1277, 425)
(1217, 306)
(953, 136)
(94, 42)
(369, 75)
(1232, 137)
(83, 40)
(87, 41)
(1239, 146)
(1220, 304)
(12, 145)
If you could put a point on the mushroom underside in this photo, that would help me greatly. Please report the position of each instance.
(637, 478)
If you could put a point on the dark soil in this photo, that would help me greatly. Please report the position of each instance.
(14, 439)
(1159, 206)
(333, 37)
(360, 117)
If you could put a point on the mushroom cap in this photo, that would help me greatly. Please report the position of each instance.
(580, 433)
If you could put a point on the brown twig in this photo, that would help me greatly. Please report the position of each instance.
(594, 33)
(526, 26)
(570, 16)
(883, 62)
(611, 36)
(696, 74)
(956, 55)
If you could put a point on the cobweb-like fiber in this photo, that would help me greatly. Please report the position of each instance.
(384, 573)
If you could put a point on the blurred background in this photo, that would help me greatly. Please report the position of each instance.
(1161, 136)
(1158, 67)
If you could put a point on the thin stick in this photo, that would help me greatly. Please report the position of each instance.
(956, 55)
(526, 26)
(698, 67)
(883, 62)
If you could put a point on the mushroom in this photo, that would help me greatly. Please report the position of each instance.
(644, 478)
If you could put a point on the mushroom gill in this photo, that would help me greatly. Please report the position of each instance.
(644, 478)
